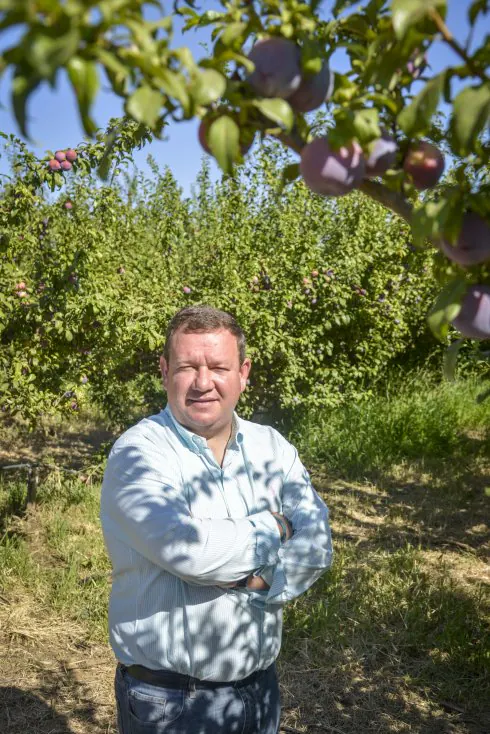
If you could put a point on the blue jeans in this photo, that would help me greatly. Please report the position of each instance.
(253, 708)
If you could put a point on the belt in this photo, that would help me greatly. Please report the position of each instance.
(170, 679)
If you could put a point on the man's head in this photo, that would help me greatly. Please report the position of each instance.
(204, 368)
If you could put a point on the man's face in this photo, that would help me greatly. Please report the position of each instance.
(204, 379)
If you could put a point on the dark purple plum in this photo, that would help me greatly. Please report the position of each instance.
(313, 91)
(424, 162)
(332, 172)
(473, 321)
(382, 156)
(473, 244)
(277, 70)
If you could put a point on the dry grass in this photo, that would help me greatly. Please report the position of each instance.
(399, 647)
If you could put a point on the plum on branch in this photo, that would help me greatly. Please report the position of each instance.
(424, 162)
(332, 172)
(382, 155)
(277, 70)
(313, 90)
(473, 244)
(473, 321)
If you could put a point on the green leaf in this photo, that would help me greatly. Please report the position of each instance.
(408, 12)
(85, 81)
(277, 110)
(22, 87)
(366, 125)
(435, 219)
(173, 85)
(446, 307)
(208, 86)
(224, 142)
(233, 32)
(450, 359)
(477, 7)
(471, 112)
(415, 119)
(47, 50)
(144, 105)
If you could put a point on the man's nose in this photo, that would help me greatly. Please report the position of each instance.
(203, 379)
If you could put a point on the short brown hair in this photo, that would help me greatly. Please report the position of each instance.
(203, 319)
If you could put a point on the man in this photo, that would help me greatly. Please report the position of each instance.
(211, 524)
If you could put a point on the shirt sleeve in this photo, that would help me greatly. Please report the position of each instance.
(143, 505)
(308, 554)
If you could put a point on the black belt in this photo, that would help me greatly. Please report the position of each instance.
(169, 679)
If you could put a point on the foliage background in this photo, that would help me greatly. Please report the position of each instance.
(331, 293)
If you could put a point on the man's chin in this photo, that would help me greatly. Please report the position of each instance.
(203, 413)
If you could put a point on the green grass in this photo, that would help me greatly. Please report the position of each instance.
(414, 420)
(383, 605)
(400, 619)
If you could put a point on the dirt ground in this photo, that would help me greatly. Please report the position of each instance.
(55, 680)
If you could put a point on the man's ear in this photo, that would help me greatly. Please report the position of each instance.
(164, 371)
(244, 373)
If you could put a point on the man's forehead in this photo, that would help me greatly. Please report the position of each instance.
(219, 341)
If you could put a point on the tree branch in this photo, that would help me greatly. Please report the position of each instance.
(451, 41)
(390, 199)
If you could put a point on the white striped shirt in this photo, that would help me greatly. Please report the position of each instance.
(177, 526)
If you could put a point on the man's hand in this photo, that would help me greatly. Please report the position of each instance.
(284, 521)
(257, 583)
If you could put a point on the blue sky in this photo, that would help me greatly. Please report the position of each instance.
(54, 118)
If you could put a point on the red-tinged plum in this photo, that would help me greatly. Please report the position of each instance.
(22, 294)
(71, 155)
(68, 205)
(313, 91)
(54, 165)
(473, 321)
(332, 172)
(473, 244)
(425, 164)
(202, 134)
(21, 286)
(60, 155)
(187, 290)
(382, 156)
(314, 273)
(277, 70)
(66, 165)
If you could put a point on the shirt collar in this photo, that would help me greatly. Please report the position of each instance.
(198, 444)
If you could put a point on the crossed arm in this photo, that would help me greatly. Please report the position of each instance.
(158, 525)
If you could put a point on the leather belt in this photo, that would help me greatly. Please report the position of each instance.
(169, 679)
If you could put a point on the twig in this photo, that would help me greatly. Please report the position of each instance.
(452, 707)
(451, 41)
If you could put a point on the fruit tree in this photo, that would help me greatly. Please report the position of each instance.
(267, 68)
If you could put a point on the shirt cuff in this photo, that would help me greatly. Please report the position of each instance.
(268, 539)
